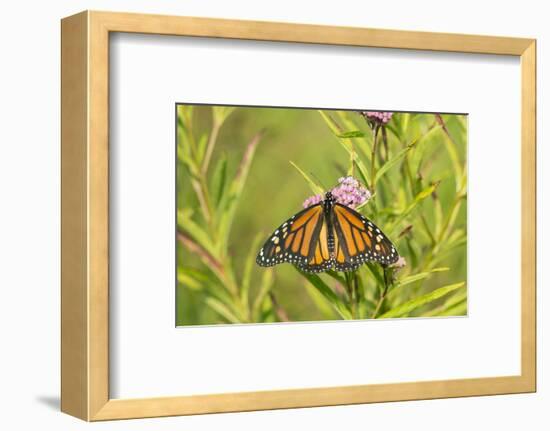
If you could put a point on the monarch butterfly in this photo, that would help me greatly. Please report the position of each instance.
(327, 235)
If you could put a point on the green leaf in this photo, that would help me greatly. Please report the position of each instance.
(392, 129)
(249, 264)
(221, 309)
(416, 277)
(347, 144)
(323, 306)
(438, 214)
(328, 294)
(188, 161)
(392, 162)
(417, 200)
(409, 306)
(192, 278)
(201, 148)
(333, 125)
(412, 278)
(337, 277)
(450, 145)
(316, 188)
(399, 156)
(185, 121)
(454, 304)
(351, 134)
(219, 179)
(231, 198)
(459, 309)
(265, 286)
(451, 218)
(362, 170)
(220, 113)
(373, 268)
(197, 233)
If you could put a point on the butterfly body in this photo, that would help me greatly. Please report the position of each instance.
(327, 236)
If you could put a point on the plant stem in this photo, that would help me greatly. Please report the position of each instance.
(355, 280)
(414, 191)
(349, 292)
(373, 157)
(382, 296)
(210, 146)
(203, 202)
(385, 141)
(280, 312)
(352, 290)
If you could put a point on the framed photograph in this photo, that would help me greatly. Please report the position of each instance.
(261, 215)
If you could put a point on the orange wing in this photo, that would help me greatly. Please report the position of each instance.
(359, 241)
(293, 241)
(320, 258)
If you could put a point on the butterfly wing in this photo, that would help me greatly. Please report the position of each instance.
(320, 257)
(292, 241)
(358, 240)
(303, 240)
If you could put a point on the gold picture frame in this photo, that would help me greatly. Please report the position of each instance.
(85, 222)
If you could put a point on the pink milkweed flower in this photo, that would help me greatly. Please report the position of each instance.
(312, 200)
(377, 117)
(348, 192)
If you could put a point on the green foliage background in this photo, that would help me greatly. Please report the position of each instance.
(235, 185)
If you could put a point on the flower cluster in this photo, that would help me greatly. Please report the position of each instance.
(377, 117)
(312, 200)
(348, 192)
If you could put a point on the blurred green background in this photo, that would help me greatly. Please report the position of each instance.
(425, 153)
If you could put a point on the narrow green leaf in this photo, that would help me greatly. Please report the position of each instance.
(347, 144)
(351, 134)
(450, 145)
(188, 161)
(316, 188)
(416, 277)
(451, 218)
(328, 294)
(265, 286)
(417, 200)
(458, 298)
(336, 276)
(197, 233)
(409, 306)
(399, 156)
(438, 214)
(459, 309)
(220, 113)
(322, 305)
(221, 309)
(198, 280)
(373, 269)
(392, 162)
(392, 129)
(231, 198)
(192, 278)
(249, 264)
(362, 170)
(405, 117)
(219, 179)
(333, 125)
(201, 148)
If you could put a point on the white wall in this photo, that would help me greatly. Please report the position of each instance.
(29, 217)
